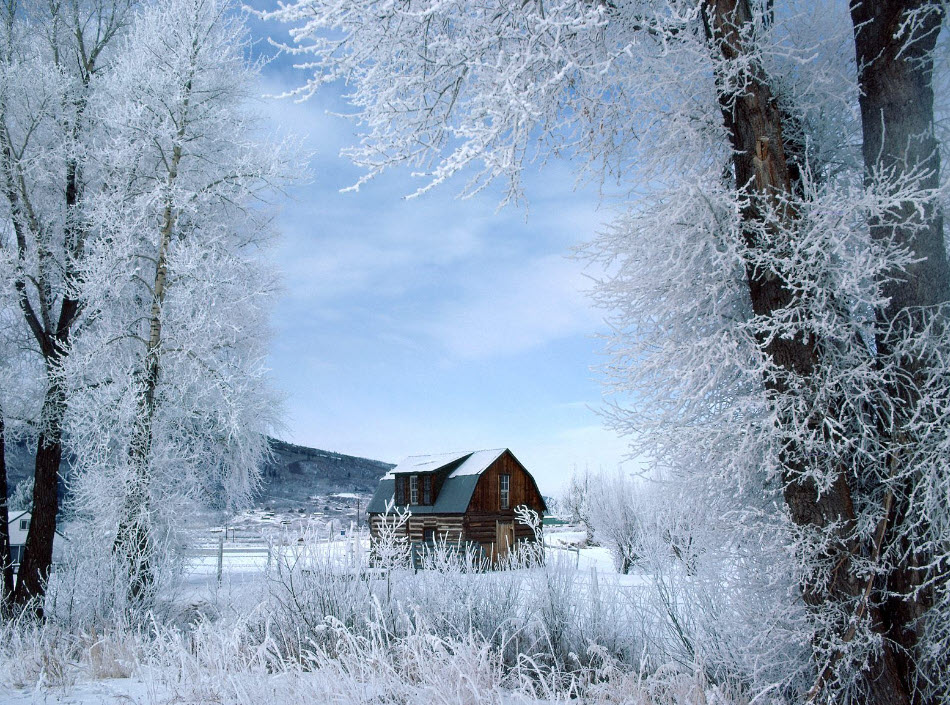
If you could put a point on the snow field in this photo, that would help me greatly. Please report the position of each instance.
(318, 625)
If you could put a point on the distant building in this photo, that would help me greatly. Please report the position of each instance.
(19, 527)
(468, 497)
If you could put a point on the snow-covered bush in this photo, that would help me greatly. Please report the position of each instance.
(614, 511)
(308, 588)
(88, 590)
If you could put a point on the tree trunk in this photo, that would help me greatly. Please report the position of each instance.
(897, 120)
(895, 74)
(6, 560)
(37, 558)
(134, 537)
(765, 169)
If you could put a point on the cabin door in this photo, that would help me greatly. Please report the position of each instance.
(504, 537)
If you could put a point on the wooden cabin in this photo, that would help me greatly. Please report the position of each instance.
(467, 497)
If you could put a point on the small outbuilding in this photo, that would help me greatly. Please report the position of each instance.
(468, 497)
(19, 527)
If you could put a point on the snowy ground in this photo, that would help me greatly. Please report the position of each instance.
(244, 563)
(110, 690)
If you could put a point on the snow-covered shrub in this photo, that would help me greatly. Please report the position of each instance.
(458, 602)
(33, 653)
(88, 590)
(313, 582)
(322, 633)
(389, 547)
(716, 600)
(233, 662)
(577, 502)
(613, 510)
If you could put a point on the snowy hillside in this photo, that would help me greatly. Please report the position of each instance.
(297, 472)
(295, 478)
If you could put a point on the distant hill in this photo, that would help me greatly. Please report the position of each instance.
(294, 475)
(298, 473)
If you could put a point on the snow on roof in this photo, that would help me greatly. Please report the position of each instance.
(475, 463)
(13, 516)
(424, 463)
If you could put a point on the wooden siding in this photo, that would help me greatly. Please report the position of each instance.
(521, 488)
(484, 511)
(376, 521)
(483, 527)
(401, 487)
(445, 526)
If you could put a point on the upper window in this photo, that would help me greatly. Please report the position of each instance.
(427, 489)
(503, 484)
(413, 489)
(24, 524)
(400, 493)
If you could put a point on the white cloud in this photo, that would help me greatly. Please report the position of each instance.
(514, 309)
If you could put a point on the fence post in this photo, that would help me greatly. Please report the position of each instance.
(220, 556)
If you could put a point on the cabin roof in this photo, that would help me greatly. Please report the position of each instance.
(457, 490)
(13, 516)
(474, 463)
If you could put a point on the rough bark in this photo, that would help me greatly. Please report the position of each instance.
(897, 120)
(764, 167)
(895, 71)
(38, 552)
(52, 341)
(6, 565)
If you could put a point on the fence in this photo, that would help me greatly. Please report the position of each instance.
(256, 551)
(570, 549)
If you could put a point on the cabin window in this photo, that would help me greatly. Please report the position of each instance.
(413, 489)
(24, 524)
(503, 484)
(427, 489)
(400, 490)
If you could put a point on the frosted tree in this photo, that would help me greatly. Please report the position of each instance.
(777, 284)
(615, 514)
(577, 499)
(170, 398)
(52, 57)
(132, 173)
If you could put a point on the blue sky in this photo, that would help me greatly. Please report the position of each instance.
(434, 324)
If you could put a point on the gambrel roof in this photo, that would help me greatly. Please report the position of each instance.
(457, 490)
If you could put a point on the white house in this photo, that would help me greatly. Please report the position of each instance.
(19, 527)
